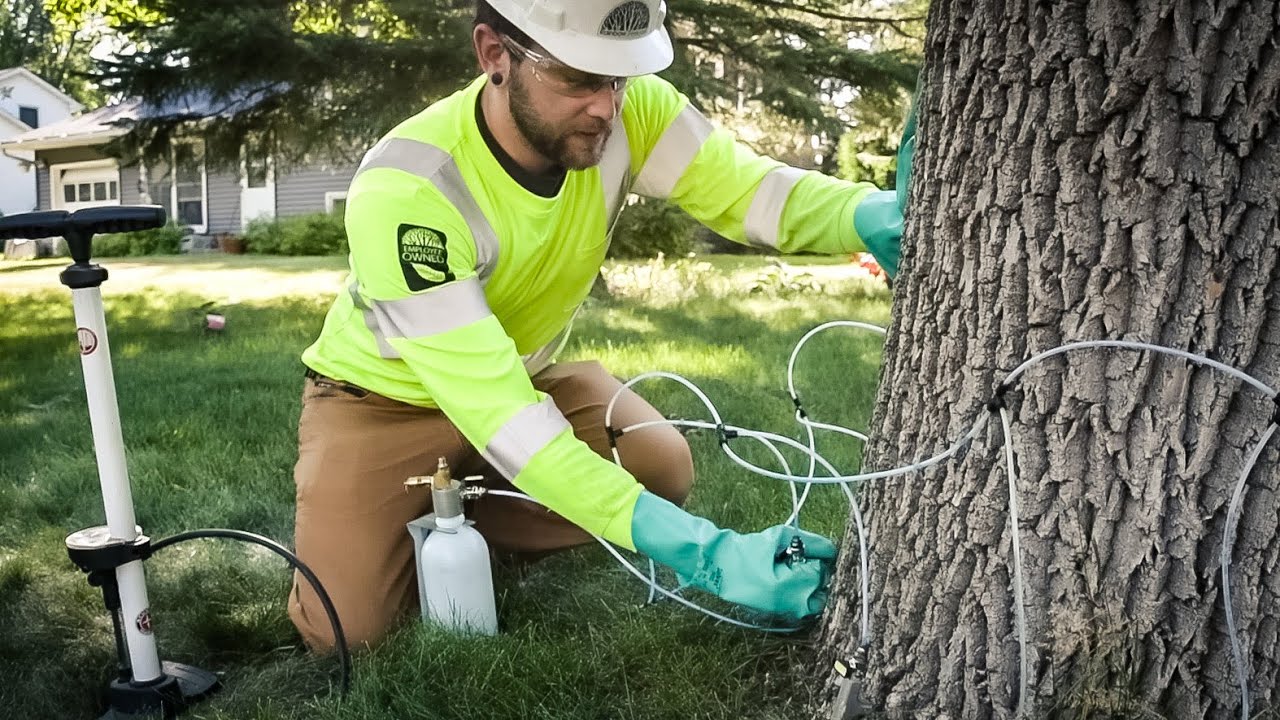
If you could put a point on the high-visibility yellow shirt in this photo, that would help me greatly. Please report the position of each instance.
(464, 283)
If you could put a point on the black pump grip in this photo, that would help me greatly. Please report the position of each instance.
(34, 225)
(120, 219)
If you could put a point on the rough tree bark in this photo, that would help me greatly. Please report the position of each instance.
(1086, 170)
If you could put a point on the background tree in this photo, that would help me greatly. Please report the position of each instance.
(337, 74)
(318, 76)
(55, 41)
(867, 151)
(781, 73)
(1085, 170)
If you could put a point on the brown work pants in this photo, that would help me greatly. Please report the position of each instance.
(356, 449)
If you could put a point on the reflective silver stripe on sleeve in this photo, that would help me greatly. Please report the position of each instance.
(615, 173)
(354, 290)
(436, 311)
(538, 360)
(673, 154)
(439, 168)
(371, 321)
(764, 216)
(527, 432)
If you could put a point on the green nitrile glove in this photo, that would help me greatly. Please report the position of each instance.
(878, 221)
(906, 153)
(753, 570)
(878, 218)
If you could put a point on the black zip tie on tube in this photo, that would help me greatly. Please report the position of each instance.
(613, 436)
(997, 401)
(795, 399)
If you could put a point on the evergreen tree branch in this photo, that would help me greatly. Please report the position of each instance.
(894, 23)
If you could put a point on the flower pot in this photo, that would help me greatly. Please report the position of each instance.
(230, 244)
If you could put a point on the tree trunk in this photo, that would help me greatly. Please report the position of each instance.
(1103, 170)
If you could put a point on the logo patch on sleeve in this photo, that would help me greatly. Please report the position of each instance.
(424, 257)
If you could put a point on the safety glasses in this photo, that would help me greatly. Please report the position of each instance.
(561, 78)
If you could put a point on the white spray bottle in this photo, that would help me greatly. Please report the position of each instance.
(455, 582)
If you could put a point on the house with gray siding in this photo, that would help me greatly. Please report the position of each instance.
(73, 171)
(26, 102)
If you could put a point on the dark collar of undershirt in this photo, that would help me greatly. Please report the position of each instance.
(547, 186)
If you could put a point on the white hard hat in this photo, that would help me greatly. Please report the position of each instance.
(607, 37)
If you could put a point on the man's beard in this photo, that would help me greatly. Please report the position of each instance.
(571, 150)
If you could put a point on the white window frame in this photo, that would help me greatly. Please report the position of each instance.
(333, 196)
(203, 228)
(244, 170)
(269, 187)
(56, 199)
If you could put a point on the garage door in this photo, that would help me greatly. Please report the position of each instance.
(89, 187)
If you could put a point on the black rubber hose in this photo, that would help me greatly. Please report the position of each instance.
(340, 639)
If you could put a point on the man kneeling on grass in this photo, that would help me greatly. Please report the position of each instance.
(476, 229)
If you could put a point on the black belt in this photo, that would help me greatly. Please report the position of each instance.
(326, 381)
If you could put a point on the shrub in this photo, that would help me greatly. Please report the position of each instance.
(113, 245)
(661, 282)
(860, 164)
(166, 240)
(649, 228)
(262, 236)
(780, 280)
(317, 234)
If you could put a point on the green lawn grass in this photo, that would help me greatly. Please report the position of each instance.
(210, 421)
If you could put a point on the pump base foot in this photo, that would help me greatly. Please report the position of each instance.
(178, 688)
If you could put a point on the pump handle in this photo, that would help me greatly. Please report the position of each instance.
(91, 221)
(80, 227)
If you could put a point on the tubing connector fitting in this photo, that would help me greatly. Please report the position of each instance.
(849, 703)
(472, 490)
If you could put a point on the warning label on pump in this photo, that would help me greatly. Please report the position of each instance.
(88, 340)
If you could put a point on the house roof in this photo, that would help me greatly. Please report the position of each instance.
(98, 126)
(8, 121)
(92, 128)
(12, 72)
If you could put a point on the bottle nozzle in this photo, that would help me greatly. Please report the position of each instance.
(443, 478)
(446, 498)
(793, 553)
